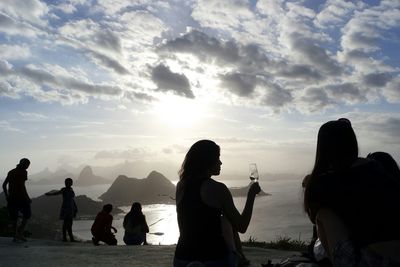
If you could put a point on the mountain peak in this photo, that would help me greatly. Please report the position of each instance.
(86, 171)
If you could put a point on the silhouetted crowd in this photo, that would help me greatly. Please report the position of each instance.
(352, 202)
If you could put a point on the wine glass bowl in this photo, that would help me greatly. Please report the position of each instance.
(253, 172)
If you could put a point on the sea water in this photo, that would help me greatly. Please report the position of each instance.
(277, 215)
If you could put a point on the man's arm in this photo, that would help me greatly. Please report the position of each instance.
(6, 181)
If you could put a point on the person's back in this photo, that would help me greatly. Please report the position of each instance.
(365, 198)
(68, 207)
(200, 227)
(16, 186)
(135, 226)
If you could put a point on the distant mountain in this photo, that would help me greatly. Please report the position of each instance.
(242, 191)
(48, 177)
(87, 178)
(156, 188)
(138, 168)
(48, 207)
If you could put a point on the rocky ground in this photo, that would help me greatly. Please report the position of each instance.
(37, 252)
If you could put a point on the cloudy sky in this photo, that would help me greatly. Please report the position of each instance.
(106, 81)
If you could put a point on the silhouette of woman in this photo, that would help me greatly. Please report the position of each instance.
(352, 200)
(200, 202)
(135, 226)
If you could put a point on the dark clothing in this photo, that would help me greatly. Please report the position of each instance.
(67, 227)
(134, 239)
(18, 199)
(68, 208)
(136, 227)
(16, 206)
(101, 228)
(16, 185)
(200, 228)
(364, 197)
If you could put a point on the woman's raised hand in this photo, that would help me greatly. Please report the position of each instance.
(254, 189)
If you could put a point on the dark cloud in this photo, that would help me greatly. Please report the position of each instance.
(45, 78)
(315, 54)
(38, 76)
(362, 39)
(141, 96)
(300, 72)
(205, 47)
(356, 55)
(239, 83)
(108, 40)
(377, 79)
(391, 126)
(276, 96)
(317, 99)
(346, 91)
(167, 80)
(5, 21)
(109, 63)
(387, 127)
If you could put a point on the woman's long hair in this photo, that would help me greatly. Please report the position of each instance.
(135, 215)
(337, 148)
(201, 156)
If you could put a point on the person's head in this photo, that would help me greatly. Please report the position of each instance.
(337, 146)
(24, 163)
(136, 207)
(68, 182)
(387, 162)
(107, 208)
(202, 160)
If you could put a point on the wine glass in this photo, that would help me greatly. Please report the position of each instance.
(253, 172)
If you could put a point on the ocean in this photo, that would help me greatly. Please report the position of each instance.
(277, 215)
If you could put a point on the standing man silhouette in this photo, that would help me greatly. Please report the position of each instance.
(17, 197)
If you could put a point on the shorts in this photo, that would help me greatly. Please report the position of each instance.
(16, 206)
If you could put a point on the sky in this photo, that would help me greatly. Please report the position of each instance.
(108, 81)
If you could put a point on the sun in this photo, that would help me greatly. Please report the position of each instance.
(179, 112)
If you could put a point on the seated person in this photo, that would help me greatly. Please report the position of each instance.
(102, 225)
(353, 201)
(135, 226)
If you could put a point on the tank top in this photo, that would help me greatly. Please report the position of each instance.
(200, 229)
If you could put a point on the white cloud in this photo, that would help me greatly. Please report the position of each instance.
(223, 15)
(32, 11)
(8, 52)
(335, 13)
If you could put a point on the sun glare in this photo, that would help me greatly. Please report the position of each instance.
(179, 112)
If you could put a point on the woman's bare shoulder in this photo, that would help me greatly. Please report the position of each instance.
(216, 185)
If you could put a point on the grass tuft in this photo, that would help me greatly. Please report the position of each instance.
(281, 243)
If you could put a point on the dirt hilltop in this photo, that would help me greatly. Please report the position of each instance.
(37, 252)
